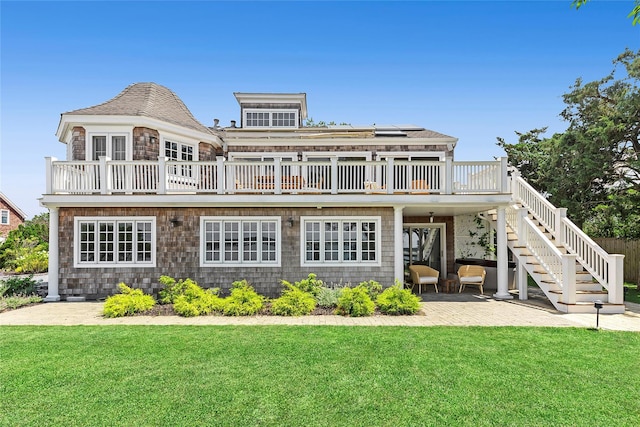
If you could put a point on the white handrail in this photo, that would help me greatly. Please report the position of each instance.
(602, 266)
(541, 208)
(549, 257)
(388, 176)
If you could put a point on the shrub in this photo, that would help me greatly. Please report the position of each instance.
(328, 297)
(355, 302)
(25, 247)
(194, 301)
(23, 285)
(171, 289)
(128, 302)
(374, 288)
(293, 302)
(243, 301)
(17, 301)
(29, 258)
(395, 300)
(311, 284)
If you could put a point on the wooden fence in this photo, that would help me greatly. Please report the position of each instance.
(631, 251)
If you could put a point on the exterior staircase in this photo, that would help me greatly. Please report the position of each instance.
(568, 266)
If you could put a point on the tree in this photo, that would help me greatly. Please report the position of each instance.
(593, 168)
(26, 248)
(634, 14)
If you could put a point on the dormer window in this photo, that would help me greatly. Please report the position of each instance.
(259, 118)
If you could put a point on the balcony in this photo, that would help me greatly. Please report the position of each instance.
(276, 177)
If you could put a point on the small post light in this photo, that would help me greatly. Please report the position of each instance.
(290, 221)
(598, 305)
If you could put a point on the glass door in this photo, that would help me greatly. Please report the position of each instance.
(424, 244)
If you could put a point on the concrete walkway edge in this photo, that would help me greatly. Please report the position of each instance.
(483, 312)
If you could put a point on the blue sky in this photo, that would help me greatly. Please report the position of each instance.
(475, 70)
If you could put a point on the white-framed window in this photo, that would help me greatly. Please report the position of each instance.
(115, 241)
(340, 240)
(260, 118)
(113, 145)
(180, 152)
(4, 217)
(246, 241)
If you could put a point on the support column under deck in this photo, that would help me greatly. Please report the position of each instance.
(503, 259)
(52, 292)
(398, 250)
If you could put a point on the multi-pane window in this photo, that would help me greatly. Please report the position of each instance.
(115, 241)
(114, 146)
(4, 217)
(247, 241)
(271, 119)
(258, 119)
(176, 151)
(335, 240)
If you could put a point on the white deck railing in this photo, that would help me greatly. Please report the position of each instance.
(276, 177)
(606, 268)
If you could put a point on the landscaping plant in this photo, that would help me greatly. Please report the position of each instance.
(355, 302)
(243, 301)
(293, 302)
(195, 301)
(311, 284)
(128, 302)
(18, 285)
(328, 297)
(374, 288)
(398, 301)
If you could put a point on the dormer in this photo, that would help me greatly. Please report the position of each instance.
(272, 110)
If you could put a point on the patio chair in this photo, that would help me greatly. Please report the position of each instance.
(424, 275)
(419, 186)
(471, 275)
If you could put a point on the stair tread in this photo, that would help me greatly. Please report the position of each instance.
(582, 292)
(589, 303)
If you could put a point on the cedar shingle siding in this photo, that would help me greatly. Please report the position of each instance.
(178, 253)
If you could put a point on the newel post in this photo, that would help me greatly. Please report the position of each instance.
(616, 279)
(569, 278)
(390, 172)
(162, 175)
(334, 175)
(515, 188)
(277, 175)
(49, 174)
(105, 176)
(503, 183)
(521, 230)
(561, 214)
(220, 164)
(448, 175)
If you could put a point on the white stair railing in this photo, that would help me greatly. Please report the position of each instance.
(607, 269)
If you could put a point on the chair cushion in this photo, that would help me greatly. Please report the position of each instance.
(428, 279)
(471, 279)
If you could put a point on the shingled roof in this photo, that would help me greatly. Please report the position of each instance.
(147, 100)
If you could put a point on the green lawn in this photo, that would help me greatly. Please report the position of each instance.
(632, 293)
(317, 376)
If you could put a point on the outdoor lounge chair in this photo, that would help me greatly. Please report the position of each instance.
(471, 275)
(424, 275)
